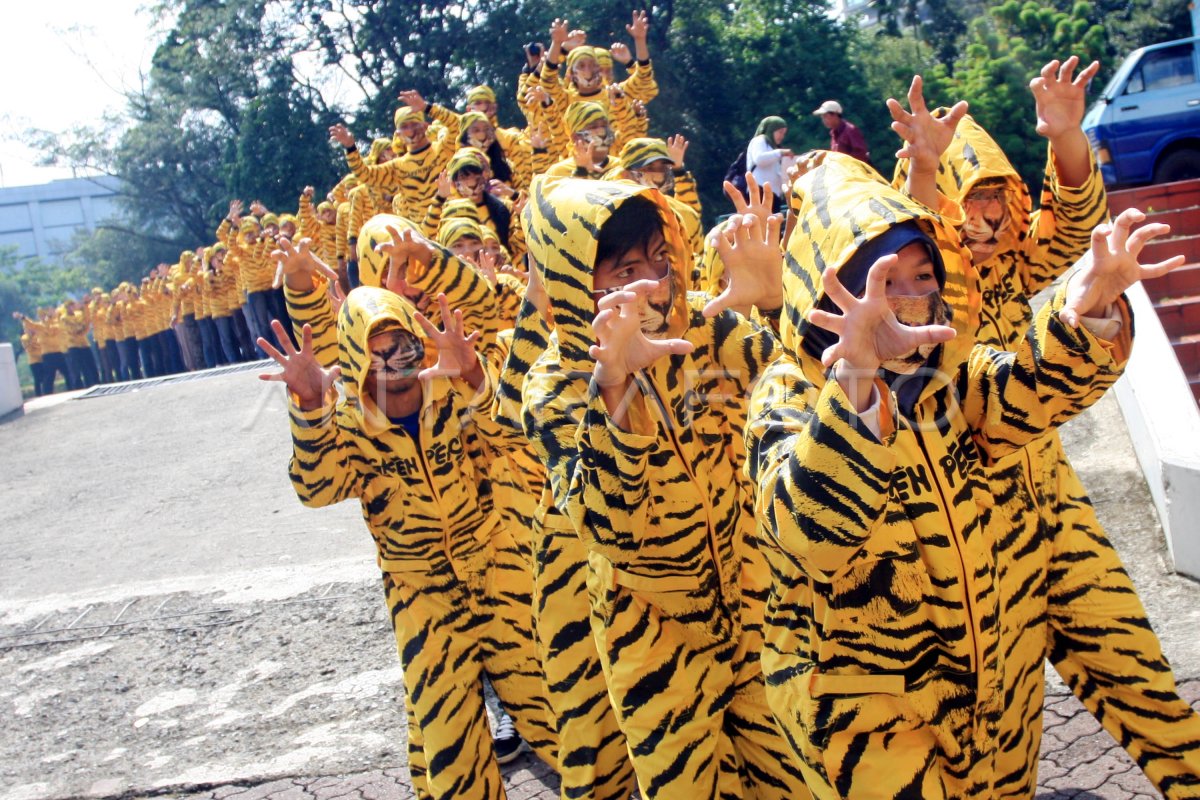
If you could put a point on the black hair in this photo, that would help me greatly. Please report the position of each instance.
(632, 225)
(501, 171)
(500, 214)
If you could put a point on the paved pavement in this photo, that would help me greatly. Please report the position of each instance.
(1079, 761)
(173, 623)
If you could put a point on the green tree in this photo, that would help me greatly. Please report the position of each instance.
(1007, 49)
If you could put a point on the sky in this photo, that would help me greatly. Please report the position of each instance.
(83, 54)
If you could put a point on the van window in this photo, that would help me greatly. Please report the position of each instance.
(1160, 69)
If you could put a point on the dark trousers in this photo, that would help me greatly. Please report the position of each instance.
(172, 356)
(280, 312)
(128, 350)
(151, 362)
(38, 381)
(244, 339)
(262, 309)
(189, 334)
(110, 362)
(210, 343)
(52, 365)
(84, 366)
(226, 335)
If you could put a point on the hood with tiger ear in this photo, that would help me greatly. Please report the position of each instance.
(372, 266)
(407, 113)
(580, 52)
(581, 114)
(562, 221)
(842, 206)
(481, 93)
(465, 157)
(974, 156)
(460, 208)
(603, 57)
(369, 310)
(377, 148)
(456, 228)
(465, 122)
(640, 153)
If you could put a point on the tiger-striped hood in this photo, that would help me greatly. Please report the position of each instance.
(973, 156)
(366, 309)
(373, 266)
(842, 204)
(562, 222)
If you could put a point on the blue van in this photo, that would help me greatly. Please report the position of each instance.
(1145, 128)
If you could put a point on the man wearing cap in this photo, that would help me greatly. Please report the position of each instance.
(844, 136)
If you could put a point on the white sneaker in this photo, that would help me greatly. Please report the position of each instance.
(505, 740)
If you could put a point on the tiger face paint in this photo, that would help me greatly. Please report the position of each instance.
(396, 359)
(587, 76)
(987, 220)
(481, 134)
(656, 175)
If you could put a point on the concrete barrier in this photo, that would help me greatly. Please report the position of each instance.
(10, 384)
(1164, 424)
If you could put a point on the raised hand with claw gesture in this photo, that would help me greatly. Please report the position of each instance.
(749, 248)
(297, 264)
(1111, 266)
(456, 355)
(303, 375)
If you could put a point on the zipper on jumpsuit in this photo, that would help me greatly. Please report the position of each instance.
(968, 584)
(669, 423)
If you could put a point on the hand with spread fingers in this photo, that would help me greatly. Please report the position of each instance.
(487, 266)
(302, 373)
(676, 148)
(1111, 266)
(585, 155)
(1061, 101)
(925, 139)
(868, 331)
(761, 200)
(455, 348)
(406, 245)
(753, 263)
(925, 136)
(621, 347)
(341, 134)
(413, 99)
(296, 264)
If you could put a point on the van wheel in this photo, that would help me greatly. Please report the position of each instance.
(1181, 165)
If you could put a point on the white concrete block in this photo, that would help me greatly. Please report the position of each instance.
(10, 384)
(1164, 424)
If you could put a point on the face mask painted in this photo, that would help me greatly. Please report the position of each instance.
(470, 186)
(587, 76)
(397, 357)
(481, 136)
(596, 139)
(663, 181)
(987, 220)
(655, 316)
(926, 309)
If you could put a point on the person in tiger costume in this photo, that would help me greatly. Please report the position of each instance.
(412, 175)
(866, 442)
(411, 443)
(633, 409)
(1072, 600)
